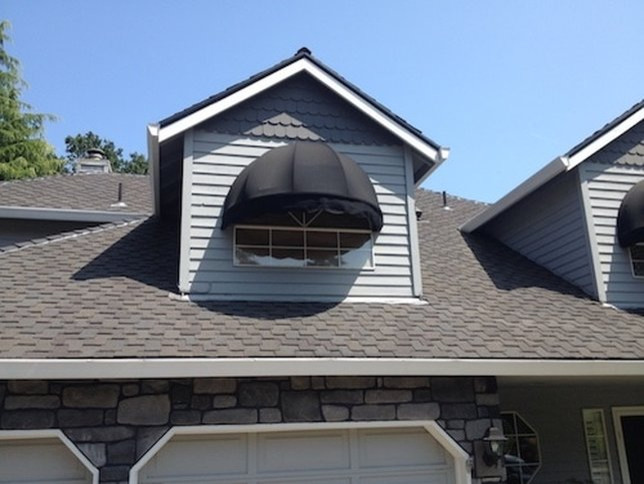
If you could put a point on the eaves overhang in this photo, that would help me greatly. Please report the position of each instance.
(271, 367)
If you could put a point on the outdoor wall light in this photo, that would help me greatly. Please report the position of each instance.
(494, 440)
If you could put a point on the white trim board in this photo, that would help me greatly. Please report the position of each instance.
(49, 434)
(461, 458)
(558, 165)
(618, 413)
(67, 215)
(269, 367)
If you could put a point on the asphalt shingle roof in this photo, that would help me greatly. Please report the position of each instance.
(79, 192)
(105, 294)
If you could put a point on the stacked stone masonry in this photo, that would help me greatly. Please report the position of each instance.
(115, 422)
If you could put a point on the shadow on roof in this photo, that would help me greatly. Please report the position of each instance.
(508, 270)
(148, 254)
(267, 310)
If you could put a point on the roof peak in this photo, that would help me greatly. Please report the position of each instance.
(304, 51)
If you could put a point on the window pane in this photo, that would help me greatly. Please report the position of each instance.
(637, 252)
(288, 238)
(251, 256)
(321, 239)
(322, 258)
(252, 236)
(287, 258)
(356, 258)
(349, 240)
(638, 268)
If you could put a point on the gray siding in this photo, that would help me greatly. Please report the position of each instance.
(607, 185)
(548, 227)
(217, 159)
(555, 412)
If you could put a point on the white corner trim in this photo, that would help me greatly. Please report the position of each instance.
(414, 250)
(186, 212)
(152, 134)
(49, 434)
(545, 174)
(89, 368)
(301, 65)
(67, 215)
(461, 458)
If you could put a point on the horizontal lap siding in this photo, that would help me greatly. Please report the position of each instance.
(218, 159)
(607, 185)
(548, 227)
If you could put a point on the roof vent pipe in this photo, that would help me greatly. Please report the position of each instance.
(445, 206)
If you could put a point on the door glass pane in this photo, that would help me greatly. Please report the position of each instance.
(322, 258)
(251, 255)
(288, 238)
(356, 258)
(252, 236)
(351, 240)
(321, 239)
(287, 258)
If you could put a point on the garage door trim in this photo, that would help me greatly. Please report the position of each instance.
(49, 434)
(462, 461)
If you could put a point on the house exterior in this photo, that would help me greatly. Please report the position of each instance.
(298, 310)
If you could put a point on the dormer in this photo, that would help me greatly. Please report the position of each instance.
(582, 215)
(293, 185)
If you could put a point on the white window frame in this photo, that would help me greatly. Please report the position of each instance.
(536, 434)
(584, 412)
(52, 434)
(630, 258)
(618, 413)
(462, 460)
(370, 267)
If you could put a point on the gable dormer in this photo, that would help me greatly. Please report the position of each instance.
(567, 216)
(293, 185)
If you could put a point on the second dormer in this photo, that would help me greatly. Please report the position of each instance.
(582, 216)
(295, 186)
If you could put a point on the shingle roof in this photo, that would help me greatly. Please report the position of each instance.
(79, 192)
(105, 294)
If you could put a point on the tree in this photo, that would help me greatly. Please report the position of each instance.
(23, 150)
(77, 146)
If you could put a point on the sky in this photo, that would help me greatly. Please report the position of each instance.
(506, 85)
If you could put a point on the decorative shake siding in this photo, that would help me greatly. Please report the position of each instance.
(548, 227)
(607, 176)
(299, 109)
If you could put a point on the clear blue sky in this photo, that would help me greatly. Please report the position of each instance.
(507, 85)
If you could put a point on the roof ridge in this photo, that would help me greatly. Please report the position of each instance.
(66, 175)
(72, 234)
(452, 196)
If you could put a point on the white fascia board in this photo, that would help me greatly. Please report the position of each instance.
(606, 138)
(547, 173)
(16, 369)
(554, 168)
(443, 154)
(301, 65)
(67, 215)
(153, 163)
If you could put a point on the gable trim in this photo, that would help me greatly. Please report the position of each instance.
(564, 163)
(304, 65)
(90, 368)
(67, 215)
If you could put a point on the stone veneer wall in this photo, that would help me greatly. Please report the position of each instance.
(115, 422)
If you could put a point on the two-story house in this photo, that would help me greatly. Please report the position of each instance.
(297, 310)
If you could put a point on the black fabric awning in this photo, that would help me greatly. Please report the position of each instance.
(302, 176)
(630, 218)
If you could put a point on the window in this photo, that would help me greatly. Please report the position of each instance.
(522, 456)
(304, 247)
(596, 446)
(637, 259)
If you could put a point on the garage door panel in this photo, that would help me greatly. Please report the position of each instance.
(40, 461)
(295, 451)
(413, 447)
(344, 456)
(223, 455)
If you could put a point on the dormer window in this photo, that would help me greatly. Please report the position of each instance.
(303, 205)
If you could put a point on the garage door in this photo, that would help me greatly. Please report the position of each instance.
(40, 461)
(345, 456)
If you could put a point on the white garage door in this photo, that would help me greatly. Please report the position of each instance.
(40, 461)
(346, 456)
